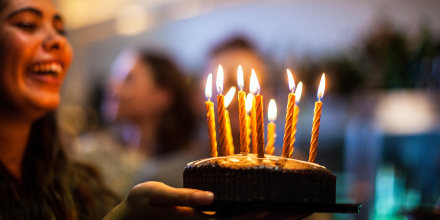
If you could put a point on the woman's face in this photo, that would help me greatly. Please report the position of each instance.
(34, 55)
(139, 97)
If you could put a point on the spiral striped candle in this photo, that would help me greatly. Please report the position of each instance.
(289, 116)
(315, 131)
(211, 127)
(298, 93)
(316, 121)
(223, 143)
(260, 125)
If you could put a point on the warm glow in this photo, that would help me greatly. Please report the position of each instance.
(249, 100)
(291, 80)
(405, 112)
(321, 87)
(219, 81)
(254, 85)
(272, 112)
(298, 92)
(208, 87)
(229, 96)
(132, 19)
(240, 80)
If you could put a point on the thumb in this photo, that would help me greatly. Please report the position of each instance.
(159, 194)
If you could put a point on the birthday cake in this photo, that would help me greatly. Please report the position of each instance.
(257, 182)
(246, 180)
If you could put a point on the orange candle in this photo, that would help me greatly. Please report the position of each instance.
(242, 111)
(249, 102)
(228, 99)
(316, 121)
(224, 151)
(298, 93)
(210, 116)
(253, 126)
(271, 134)
(259, 118)
(289, 116)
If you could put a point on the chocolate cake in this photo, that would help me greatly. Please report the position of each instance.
(246, 180)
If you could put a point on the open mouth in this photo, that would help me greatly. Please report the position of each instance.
(53, 69)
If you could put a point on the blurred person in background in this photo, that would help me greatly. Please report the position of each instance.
(38, 179)
(149, 104)
(230, 53)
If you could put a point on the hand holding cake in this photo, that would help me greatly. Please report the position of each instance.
(156, 200)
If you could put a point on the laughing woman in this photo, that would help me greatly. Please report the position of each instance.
(37, 179)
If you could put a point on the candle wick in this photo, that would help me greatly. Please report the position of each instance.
(319, 98)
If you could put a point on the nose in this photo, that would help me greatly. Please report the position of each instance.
(54, 40)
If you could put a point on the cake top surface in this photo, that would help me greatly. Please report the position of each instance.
(242, 161)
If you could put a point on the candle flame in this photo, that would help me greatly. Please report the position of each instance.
(208, 87)
(272, 112)
(240, 80)
(291, 80)
(321, 87)
(219, 81)
(298, 92)
(254, 85)
(229, 96)
(249, 100)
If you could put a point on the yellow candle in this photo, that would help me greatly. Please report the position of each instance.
(228, 99)
(316, 121)
(298, 93)
(242, 111)
(221, 114)
(249, 102)
(210, 116)
(229, 134)
(289, 116)
(248, 133)
(271, 134)
(259, 118)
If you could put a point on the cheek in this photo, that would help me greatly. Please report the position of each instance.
(67, 55)
(12, 64)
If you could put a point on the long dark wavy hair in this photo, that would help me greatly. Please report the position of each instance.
(178, 123)
(53, 186)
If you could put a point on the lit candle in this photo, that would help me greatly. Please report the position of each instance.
(259, 118)
(221, 113)
(242, 110)
(253, 121)
(249, 102)
(316, 121)
(228, 99)
(298, 92)
(289, 116)
(271, 135)
(210, 116)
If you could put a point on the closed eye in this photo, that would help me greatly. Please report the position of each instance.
(26, 26)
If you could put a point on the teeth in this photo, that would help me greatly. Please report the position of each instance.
(47, 67)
